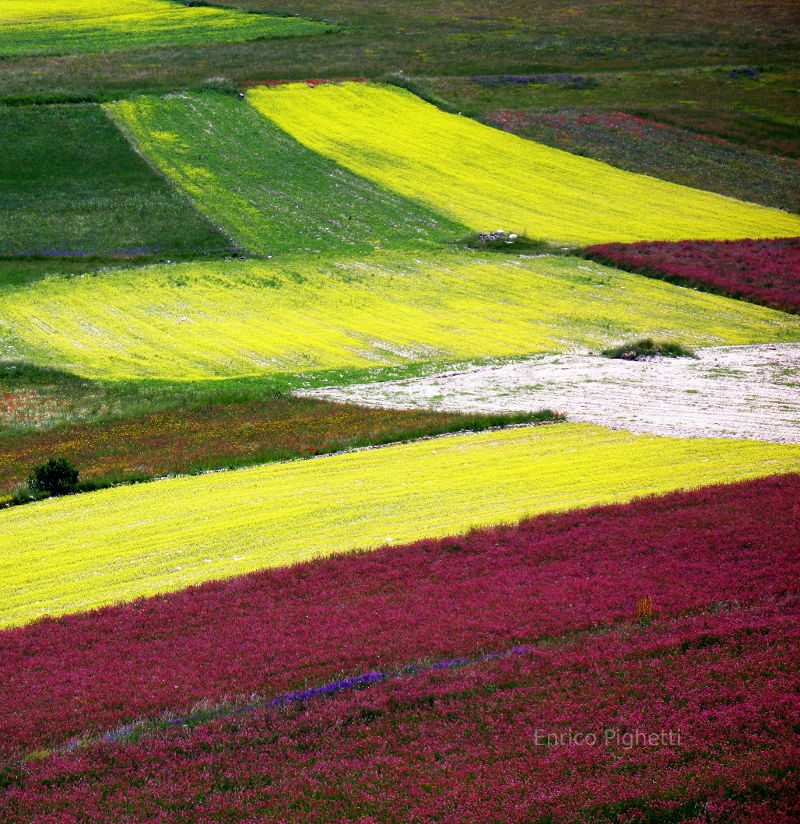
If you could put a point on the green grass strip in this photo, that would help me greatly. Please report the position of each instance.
(491, 180)
(75, 553)
(30, 27)
(263, 187)
(302, 314)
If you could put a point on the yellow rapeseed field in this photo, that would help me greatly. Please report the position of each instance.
(49, 26)
(31, 11)
(226, 318)
(71, 554)
(488, 179)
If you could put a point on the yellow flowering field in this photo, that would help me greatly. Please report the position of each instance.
(74, 553)
(51, 27)
(489, 179)
(226, 318)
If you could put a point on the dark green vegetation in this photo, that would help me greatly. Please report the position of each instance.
(72, 187)
(56, 476)
(647, 348)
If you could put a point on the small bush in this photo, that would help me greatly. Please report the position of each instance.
(11, 775)
(55, 477)
(647, 348)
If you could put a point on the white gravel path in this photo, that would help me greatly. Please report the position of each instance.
(744, 392)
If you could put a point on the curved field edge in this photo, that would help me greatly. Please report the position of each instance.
(488, 179)
(303, 315)
(101, 26)
(744, 392)
(269, 192)
(71, 554)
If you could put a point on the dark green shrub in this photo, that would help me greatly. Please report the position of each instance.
(647, 348)
(55, 477)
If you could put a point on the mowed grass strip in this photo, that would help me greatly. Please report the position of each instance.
(48, 27)
(301, 314)
(267, 190)
(489, 179)
(75, 553)
(71, 185)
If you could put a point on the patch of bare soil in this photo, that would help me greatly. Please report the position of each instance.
(742, 392)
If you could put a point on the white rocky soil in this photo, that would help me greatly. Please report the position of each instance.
(743, 392)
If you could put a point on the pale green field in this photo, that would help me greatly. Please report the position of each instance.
(51, 27)
(488, 179)
(71, 554)
(226, 318)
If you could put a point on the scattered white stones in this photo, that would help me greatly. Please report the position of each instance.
(496, 236)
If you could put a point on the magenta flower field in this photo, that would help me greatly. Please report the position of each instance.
(761, 271)
(692, 718)
(271, 298)
(412, 730)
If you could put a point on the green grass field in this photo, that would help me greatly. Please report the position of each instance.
(488, 179)
(71, 554)
(71, 185)
(267, 190)
(48, 27)
(434, 38)
(304, 314)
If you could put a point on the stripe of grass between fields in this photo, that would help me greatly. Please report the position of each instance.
(72, 554)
